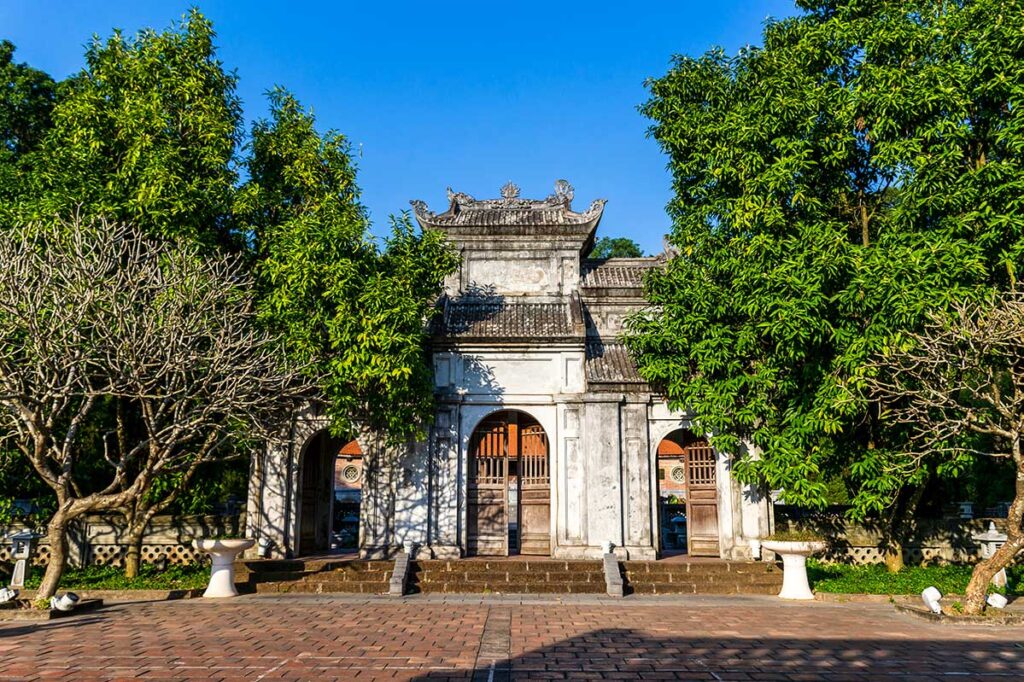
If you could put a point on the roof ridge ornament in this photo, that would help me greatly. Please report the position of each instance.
(564, 192)
(510, 191)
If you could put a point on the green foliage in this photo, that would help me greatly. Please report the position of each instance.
(214, 483)
(26, 100)
(616, 247)
(876, 579)
(176, 577)
(145, 134)
(356, 313)
(860, 169)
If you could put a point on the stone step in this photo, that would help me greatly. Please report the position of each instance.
(701, 578)
(699, 568)
(507, 588)
(315, 575)
(700, 588)
(543, 576)
(515, 579)
(521, 566)
(288, 565)
(711, 580)
(272, 576)
(320, 587)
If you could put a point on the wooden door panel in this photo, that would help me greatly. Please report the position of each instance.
(535, 521)
(702, 527)
(701, 501)
(488, 522)
(535, 492)
(487, 492)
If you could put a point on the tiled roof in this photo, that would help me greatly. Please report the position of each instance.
(619, 273)
(495, 215)
(510, 210)
(504, 319)
(611, 363)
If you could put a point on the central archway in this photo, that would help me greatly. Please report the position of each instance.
(509, 487)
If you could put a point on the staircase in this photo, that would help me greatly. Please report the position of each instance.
(504, 576)
(524, 576)
(701, 577)
(313, 576)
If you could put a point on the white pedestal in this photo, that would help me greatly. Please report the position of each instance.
(794, 566)
(222, 573)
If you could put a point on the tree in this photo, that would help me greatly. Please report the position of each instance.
(26, 100)
(831, 188)
(616, 247)
(95, 314)
(145, 134)
(354, 313)
(958, 386)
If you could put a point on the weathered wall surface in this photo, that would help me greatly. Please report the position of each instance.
(928, 540)
(98, 540)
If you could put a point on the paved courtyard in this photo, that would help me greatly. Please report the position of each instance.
(495, 638)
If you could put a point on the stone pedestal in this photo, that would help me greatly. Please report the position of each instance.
(794, 566)
(222, 573)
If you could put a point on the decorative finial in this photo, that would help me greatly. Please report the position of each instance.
(564, 191)
(510, 191)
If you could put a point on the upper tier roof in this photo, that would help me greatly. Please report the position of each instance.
(510, 210)
(617, 273)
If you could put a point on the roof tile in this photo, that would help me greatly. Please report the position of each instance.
(503, 319)
(611, 363)
(619, 273)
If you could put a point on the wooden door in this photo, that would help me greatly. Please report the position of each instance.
(701, 499)
(534, 491)
(487, 490)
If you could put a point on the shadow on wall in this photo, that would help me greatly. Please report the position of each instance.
(635, 654)
(425, 478)
(926, 540)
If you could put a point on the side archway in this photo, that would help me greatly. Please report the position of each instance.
(329, 495)
(688, 494)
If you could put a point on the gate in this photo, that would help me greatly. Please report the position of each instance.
(509, 487)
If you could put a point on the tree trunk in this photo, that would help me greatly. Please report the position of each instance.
(895, 532)
(984, 571)
(57, 534)
(893, 554)
(133, 557)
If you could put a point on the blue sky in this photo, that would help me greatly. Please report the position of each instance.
(463, 94)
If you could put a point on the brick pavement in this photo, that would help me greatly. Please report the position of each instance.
(494, 638)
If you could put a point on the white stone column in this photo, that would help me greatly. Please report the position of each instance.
(636, 480)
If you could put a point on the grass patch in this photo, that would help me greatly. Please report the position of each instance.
(876, 579)
(176, 577)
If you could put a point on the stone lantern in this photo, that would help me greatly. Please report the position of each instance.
(23, 546)
(990, 541)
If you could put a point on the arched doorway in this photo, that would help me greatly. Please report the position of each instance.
(687, 494)
(509, 487)
(330, 492)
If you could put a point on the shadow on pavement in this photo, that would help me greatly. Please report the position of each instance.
(627, 654)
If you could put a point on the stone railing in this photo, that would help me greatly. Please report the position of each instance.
(100, 540)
